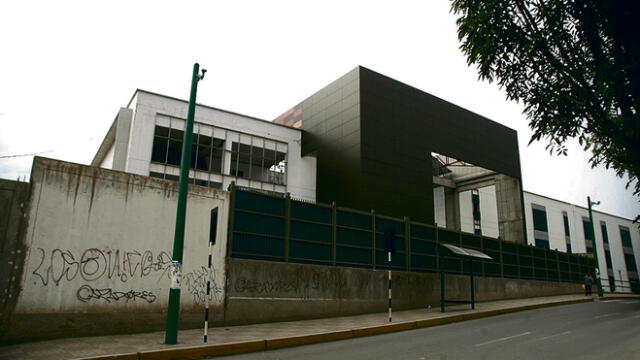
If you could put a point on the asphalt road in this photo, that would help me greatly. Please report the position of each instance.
(600, 330)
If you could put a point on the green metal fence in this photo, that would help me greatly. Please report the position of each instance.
(277, 228)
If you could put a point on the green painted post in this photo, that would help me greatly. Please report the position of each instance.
(442, 282)
(173, 310)
(501, 258)
(232, 211)
(334, 230)
(373, 238)
(472, 289)
(287, 226)
(407, 243)
(595, 247)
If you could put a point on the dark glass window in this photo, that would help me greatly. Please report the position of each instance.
(475, 201)
(605, 235)
(540, 226)
(174, 154)
(540, 220)
(565, 220)
(625, 235)
(630, 261)
(607, 256)
(588, 234)
(160, 144)
(206, 152)
(257, 163)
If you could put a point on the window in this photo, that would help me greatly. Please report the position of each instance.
(475, 202)
(540, 227)
(588, 234)
(251, 157)
(625, 235)
(565, 219)
(258, 163)
(629, 258)
(567, 236)
(206, 152)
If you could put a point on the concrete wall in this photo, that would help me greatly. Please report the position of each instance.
(99, 245)
(259, 291)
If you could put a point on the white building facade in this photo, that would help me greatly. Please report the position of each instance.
(146, 139)
(565, 227)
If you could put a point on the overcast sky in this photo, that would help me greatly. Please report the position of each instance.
(66, 67)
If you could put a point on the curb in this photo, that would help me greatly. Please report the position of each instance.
(201, 351)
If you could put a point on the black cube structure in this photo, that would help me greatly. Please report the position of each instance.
(373, 138)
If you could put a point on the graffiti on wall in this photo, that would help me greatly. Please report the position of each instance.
(299, 285)
(195, 283)
(86, 293)
(93, 265)
(96, 264)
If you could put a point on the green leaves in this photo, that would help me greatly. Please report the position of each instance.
(575, 64)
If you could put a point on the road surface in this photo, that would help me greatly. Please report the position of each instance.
(607, 330)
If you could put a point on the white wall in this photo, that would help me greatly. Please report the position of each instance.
(488, 211)
(439, 206)
(107, 162)
(151, 109)
(555, 223)
(101, 241)
(466, 211)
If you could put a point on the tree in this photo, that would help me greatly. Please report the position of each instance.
(574, 64)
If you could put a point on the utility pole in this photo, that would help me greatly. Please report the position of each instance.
(173, 310)
(595, 247)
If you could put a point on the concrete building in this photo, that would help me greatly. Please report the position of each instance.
(367, 141)
(146, 139)
(88, 248)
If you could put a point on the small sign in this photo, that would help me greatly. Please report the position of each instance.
(390, 241)
(175, 274)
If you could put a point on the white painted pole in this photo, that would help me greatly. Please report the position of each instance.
(206, 301)
(389, 273)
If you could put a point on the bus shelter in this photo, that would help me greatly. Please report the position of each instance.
(468, 255)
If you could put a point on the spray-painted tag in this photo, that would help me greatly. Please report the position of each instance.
(176, 274)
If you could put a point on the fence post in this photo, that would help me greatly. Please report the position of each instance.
(482, 271)
(518, 260)
(558, 265)
(232, 211)
(546, 264)
(287, 225)
(407, 243)
(501, 256)
(333, 232)
(373, 238)
(437, 248)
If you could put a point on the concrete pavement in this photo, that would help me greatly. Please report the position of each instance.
(258, 337)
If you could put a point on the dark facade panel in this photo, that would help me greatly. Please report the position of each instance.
(373, 137)
(425, 123)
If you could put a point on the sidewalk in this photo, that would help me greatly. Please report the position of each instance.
(258, 337)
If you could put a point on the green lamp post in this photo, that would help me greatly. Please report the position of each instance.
(595, 248)
(173, 310)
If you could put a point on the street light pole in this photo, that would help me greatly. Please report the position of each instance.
(595, 247)
(173, 310)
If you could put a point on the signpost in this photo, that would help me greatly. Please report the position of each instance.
(390, 248)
